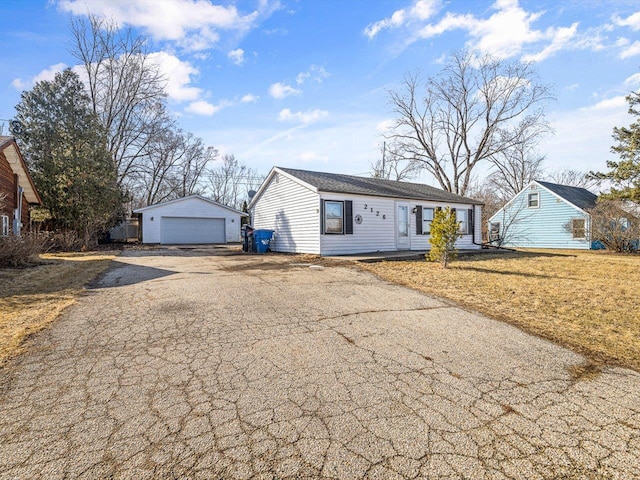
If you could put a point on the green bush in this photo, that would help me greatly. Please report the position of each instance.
(444, 233)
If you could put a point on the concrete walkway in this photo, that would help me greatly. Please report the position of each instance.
(196, 366)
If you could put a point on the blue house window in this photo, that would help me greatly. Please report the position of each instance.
(533, 200)
(578, 228)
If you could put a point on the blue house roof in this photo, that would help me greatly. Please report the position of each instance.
(580, 197)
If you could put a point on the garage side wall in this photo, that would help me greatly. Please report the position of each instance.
(188, 208)
(293, 212)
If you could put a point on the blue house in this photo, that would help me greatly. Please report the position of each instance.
(544, 215)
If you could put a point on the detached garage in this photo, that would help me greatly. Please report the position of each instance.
(190, 220)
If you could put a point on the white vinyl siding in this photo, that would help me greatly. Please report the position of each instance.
(377, 230)
(465, 242)
(293, 212)
(376, 233)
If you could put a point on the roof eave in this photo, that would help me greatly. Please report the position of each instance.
(19, 167)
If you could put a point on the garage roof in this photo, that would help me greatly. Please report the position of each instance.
(208, 200)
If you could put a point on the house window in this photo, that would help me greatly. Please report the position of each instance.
(578, 228)
(333, 216)
(427, 218)
(494, 231)
(533, 200)
(5, 225)
(461, 218)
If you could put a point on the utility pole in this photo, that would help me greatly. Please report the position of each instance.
(384, 150)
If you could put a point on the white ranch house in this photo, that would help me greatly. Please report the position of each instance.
(332, 214)
(190, 220)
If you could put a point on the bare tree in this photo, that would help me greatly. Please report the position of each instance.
(125, 87)
(516, 166)
(472, 111)
(573, 178)
(615, 223)
(174, 167)
(230, 181)
(193, 165)
(392, 165)
(491, 199)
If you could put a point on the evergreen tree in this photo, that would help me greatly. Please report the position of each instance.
(625, 174)
(65, 148)
(444, 233)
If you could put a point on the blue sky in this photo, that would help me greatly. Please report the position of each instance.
(304, 84)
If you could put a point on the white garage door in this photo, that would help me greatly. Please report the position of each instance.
(180, 230)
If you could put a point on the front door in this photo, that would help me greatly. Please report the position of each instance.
(402, 226)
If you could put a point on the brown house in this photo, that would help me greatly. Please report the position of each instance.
(17, 191)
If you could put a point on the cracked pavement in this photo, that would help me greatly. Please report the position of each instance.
(189, 365)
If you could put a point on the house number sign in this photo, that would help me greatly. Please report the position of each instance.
(377, 212)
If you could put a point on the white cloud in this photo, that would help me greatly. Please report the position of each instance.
(236, 56)
(631, 51)
(421, 10)
(385, 125)
(508, 32)
(561, 38)
(202, 107)
(312, 157)
(281, 90)
(305, 118)
(194, 24)
(633, 81)
(178, 76)
(632, 21)
(613, 103)
(47, 74)
(249, 98)
(315, 73)
(582, 138)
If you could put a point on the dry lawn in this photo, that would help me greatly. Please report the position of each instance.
(31, 298)
(587, 301)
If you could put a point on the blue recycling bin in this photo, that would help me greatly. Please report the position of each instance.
(262, 239)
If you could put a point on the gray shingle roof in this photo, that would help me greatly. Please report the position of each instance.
(580, 197)
(337, 183)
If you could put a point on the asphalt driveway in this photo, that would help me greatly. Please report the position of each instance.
(189, 365)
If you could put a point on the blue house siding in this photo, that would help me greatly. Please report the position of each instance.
(546, 226)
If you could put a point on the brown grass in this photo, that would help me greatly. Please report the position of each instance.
(587, 301)
(31, 298)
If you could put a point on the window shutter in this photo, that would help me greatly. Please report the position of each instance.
(322, 216)
(348, 217)
(418, 219)
(470, 220)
